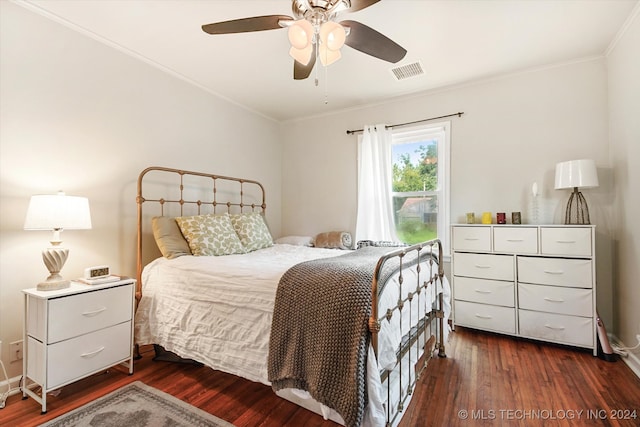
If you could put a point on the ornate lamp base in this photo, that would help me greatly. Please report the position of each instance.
(54, 258)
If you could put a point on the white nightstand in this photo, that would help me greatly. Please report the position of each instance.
(75, 332)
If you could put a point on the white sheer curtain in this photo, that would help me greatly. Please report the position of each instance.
(375, 204)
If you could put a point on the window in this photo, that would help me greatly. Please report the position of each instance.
(420, 183)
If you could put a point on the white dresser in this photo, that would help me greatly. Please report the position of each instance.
(532, 281)
(75, 332)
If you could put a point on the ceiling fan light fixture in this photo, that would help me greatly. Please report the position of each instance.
(302, 56)
(328, 56)
(332, 35)
(301, 34)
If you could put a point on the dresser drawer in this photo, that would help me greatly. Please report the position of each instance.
(566, 241)
(75, 315)
(486, 317)
(472, 238)
(485, 291)
(484, 266)
(557, 327)
(555, 299)
(522, 240)
(78, 357)
(576, 273)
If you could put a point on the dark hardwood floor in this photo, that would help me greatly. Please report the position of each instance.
(486, 379)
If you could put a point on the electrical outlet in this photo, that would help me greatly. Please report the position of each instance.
(15, 351)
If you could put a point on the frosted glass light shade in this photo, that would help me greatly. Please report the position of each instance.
(328, 56)
(303, 56)
(300, 34)
(576, 173)
(332, 35)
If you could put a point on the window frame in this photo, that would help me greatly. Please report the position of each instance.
(441, 131)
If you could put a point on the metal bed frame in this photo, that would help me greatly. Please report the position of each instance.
(417, 343)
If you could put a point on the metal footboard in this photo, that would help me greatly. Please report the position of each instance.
(418, 340)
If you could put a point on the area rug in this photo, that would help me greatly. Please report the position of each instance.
(137, 405)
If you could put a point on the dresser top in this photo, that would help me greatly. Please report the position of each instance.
(76, 287)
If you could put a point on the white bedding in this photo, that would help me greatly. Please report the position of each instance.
(225, 322)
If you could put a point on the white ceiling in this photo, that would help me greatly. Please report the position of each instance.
(455, 41)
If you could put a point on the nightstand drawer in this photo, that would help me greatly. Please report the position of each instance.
(557, 327)
(485, 291)
(566, 241)
(523, 240)
(472, 238)
(555, 299)
(76, 358)
(78, 314)
(484, 266)
(485, 317)
(576, 273)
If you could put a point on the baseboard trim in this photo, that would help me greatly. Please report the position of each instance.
(631, 359)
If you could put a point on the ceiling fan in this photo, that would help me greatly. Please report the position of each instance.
(314, 33)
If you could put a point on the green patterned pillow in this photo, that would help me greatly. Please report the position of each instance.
(210, 235)
(252, 230)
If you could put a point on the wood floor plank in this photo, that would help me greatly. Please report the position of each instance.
(485, 380)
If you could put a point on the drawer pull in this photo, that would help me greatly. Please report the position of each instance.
(482, 266)
(565, 241)
(92, 353)
(554, 272)
(557, 328)
(553, 299)
(471, 238)
(515, 240)
(482, 291)
(483, 316)
(94, 312)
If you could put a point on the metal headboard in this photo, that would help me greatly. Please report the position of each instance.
(213, 200)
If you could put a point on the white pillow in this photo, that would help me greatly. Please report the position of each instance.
(296, 240)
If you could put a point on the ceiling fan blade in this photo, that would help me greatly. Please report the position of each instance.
(369, 41)
(301, 72)
(245, 25)
(357, 5)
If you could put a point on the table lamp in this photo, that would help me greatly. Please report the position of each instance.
(56, 212)
(576, 174)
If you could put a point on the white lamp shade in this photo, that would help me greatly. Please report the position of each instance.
(332, 35)
(576, 173)
(300, 34)
(49, 212)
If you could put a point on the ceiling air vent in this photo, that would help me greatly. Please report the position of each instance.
(407, 71)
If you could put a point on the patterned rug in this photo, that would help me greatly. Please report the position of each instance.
(137, 405)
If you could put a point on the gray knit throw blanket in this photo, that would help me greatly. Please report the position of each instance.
(320, 335)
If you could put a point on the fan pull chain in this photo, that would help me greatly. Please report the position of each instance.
(326, 85)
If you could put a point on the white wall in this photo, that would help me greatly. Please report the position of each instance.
(624, 111)
(514, 130)
(80, 116)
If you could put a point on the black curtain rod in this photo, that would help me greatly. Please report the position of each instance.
(459, 114)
